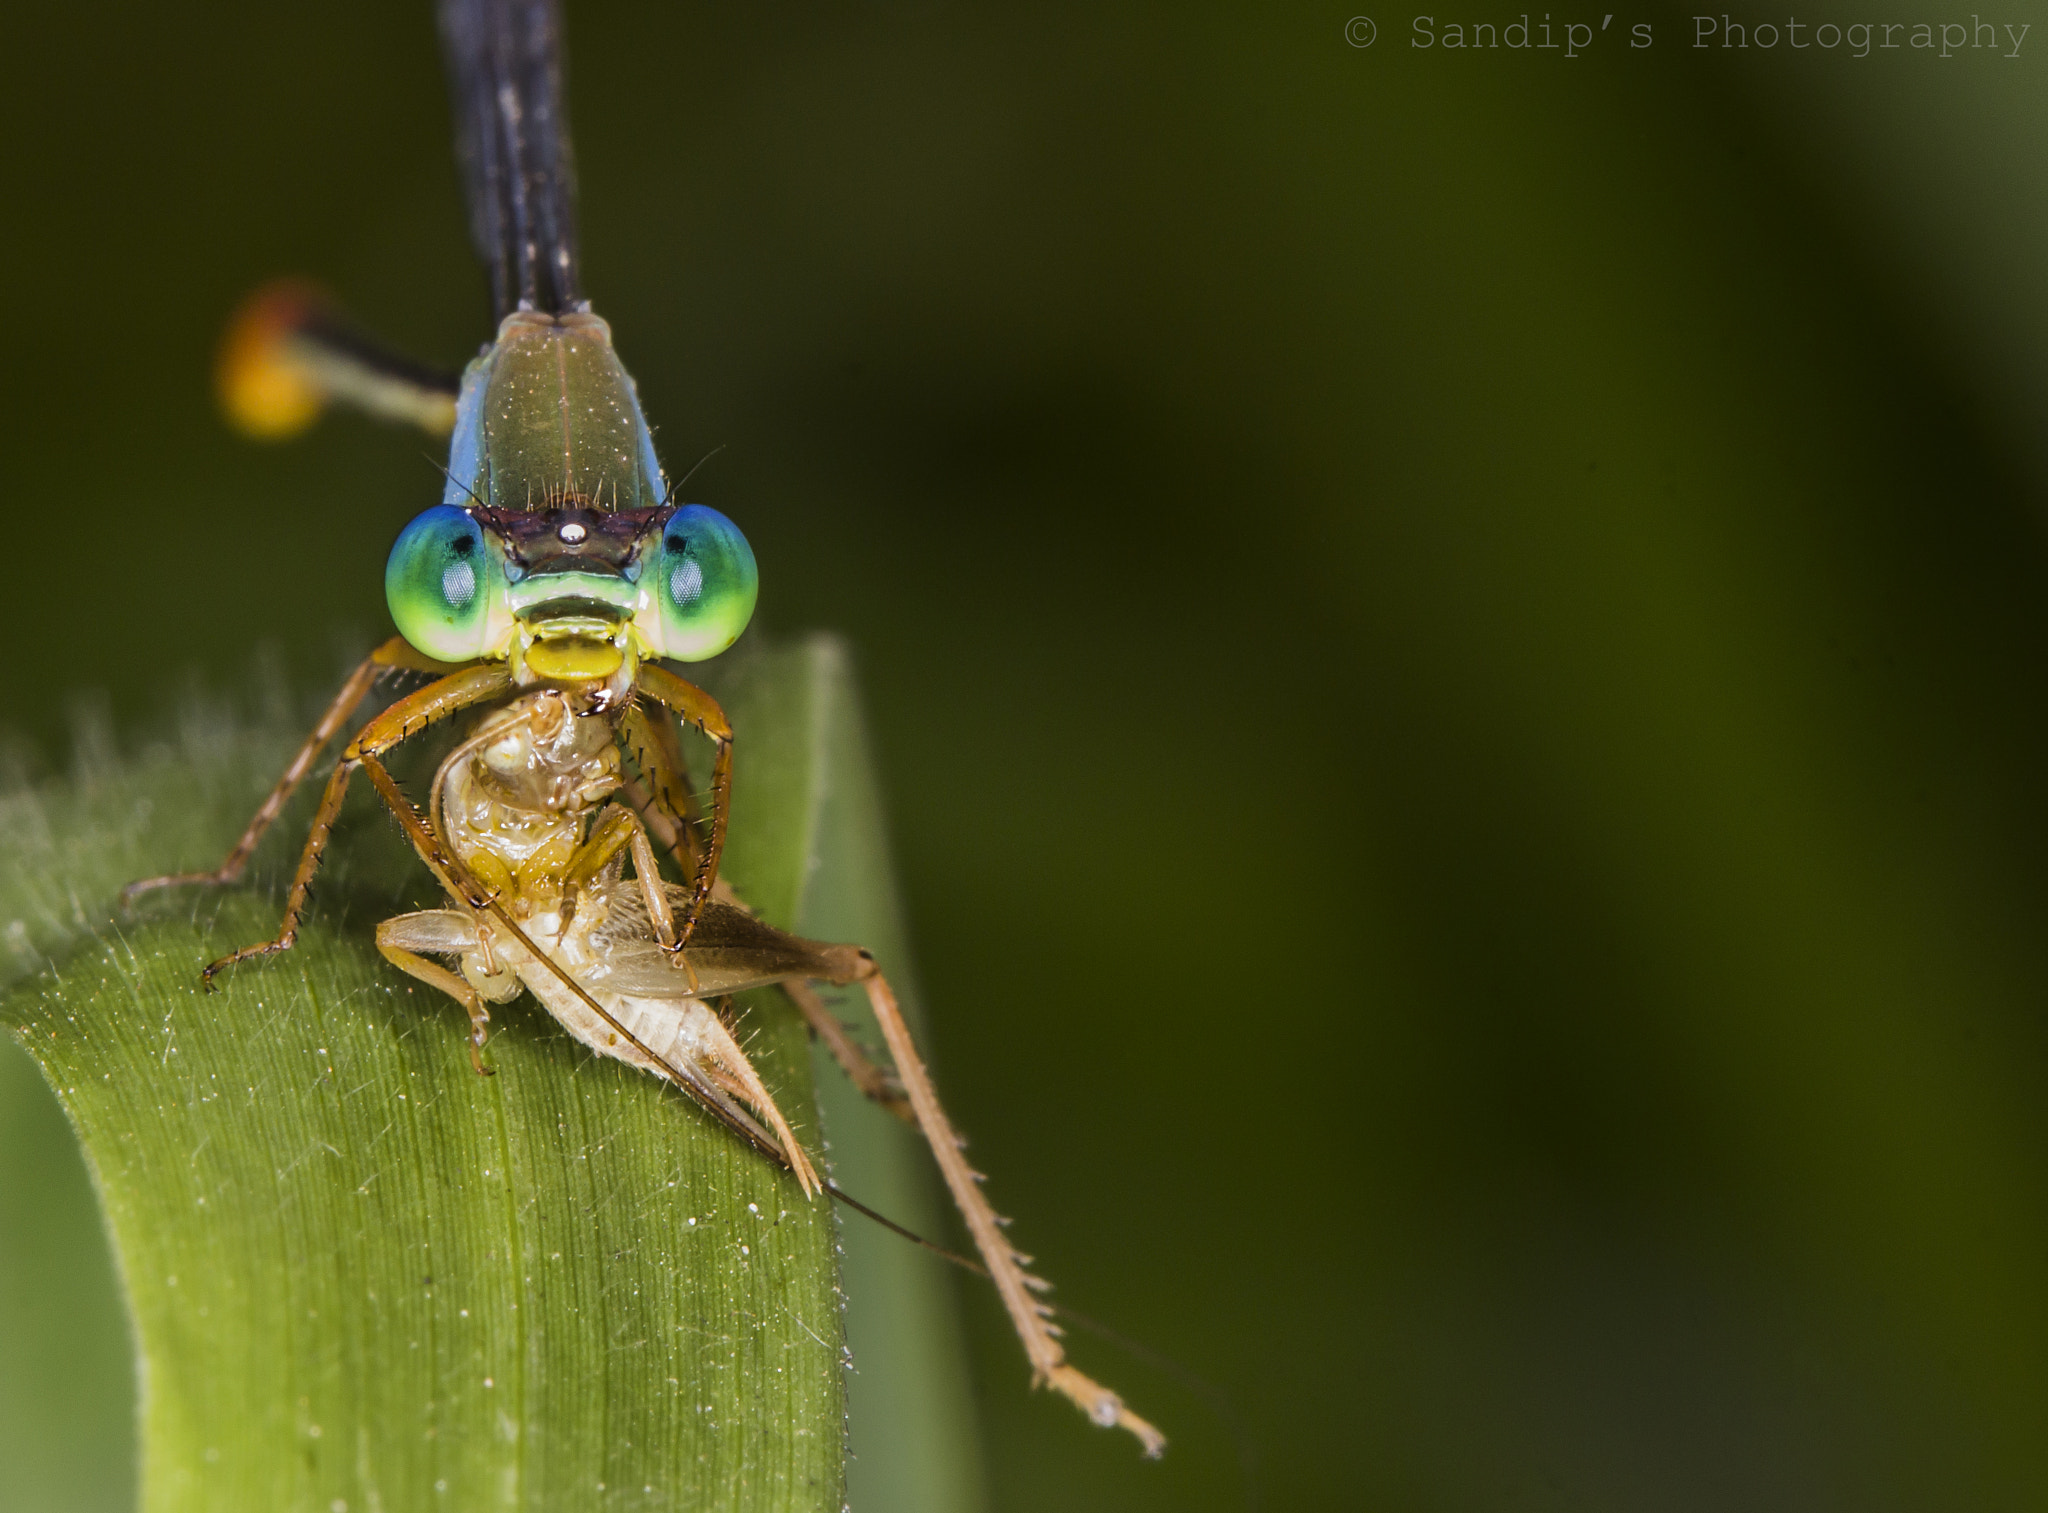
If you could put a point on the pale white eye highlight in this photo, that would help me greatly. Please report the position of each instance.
(458, 584)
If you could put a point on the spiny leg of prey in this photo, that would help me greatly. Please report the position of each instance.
(403, 720)
(394, 655)
(700, 712)
(873, 1082)
(436, 976)
(1017, 1288)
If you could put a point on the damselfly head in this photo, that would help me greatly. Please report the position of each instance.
(573, 594)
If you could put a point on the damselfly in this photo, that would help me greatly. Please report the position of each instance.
(542, 597)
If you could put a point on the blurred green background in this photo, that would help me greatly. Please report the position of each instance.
(1456, 642)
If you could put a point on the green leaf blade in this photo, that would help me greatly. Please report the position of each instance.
(550, 1287)
(360, 1275)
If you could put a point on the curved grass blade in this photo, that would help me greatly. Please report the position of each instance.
(361, 1276)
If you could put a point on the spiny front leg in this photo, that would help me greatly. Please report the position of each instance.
(660, 795)
(302, 880)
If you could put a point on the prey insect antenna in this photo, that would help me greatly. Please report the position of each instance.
(965, 1263)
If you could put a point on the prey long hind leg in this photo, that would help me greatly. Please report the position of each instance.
(1017, 1287)
(873, 1082)
(403, 720)
(394, 654)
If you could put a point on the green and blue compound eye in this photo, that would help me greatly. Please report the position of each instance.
(698, 587)
(443, 585)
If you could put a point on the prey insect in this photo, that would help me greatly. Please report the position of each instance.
(541, 601)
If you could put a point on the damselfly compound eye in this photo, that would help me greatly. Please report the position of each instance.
(442, 585)
(702, 583)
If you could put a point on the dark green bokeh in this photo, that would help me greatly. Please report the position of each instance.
(1456, 651)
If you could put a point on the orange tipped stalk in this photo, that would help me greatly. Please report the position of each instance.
(267, 390)
(289, 353)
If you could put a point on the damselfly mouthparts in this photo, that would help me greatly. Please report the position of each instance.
(541, 598)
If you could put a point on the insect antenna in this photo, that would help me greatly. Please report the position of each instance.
(674, 487)
(442, 468)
